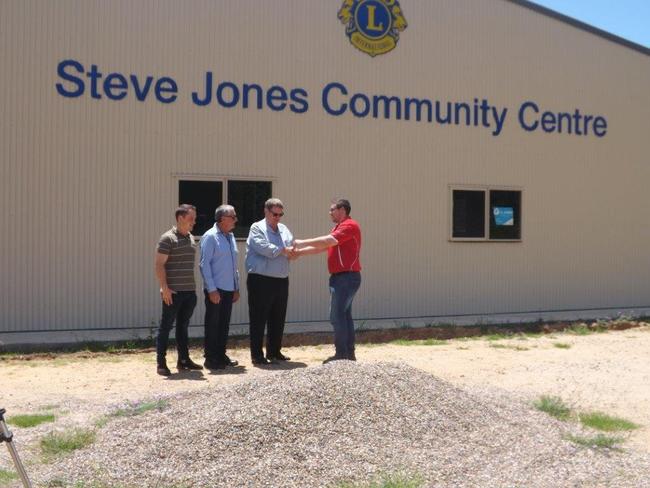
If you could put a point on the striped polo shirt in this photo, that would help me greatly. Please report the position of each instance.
(179, 267)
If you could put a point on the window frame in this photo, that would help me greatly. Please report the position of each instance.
(177, 177)
(486, 189)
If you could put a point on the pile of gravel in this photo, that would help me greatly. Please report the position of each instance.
(344, 422)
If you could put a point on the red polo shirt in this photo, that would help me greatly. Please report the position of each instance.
(345, 255)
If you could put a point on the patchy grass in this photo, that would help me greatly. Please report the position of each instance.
(583, 329)
(136, 408)
(496, 337)
(554, 406)
(132, 410)
(59, 483)
(507, 346)
(418, 342)
(7, 476)
(578, 329)
(562, 345)
(399, 480)
(30, 420)
(600, 441)
(604, 422)
(56, 443)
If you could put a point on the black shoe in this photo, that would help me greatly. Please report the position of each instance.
(260, 361)
(212, 365)
(352, 357)
(187, 364)
(163, 370)
(277, 357)
(229, 362)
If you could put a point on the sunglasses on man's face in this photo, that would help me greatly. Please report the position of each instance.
(276, 215)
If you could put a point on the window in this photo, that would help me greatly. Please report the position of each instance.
(247, 196)
(206, 196)
(486, 214)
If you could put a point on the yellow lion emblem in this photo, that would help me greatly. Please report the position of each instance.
(373, 26)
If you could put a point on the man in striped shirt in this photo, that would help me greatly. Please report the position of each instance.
(175, 256)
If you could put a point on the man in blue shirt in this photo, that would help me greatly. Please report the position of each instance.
(221, 285)
(268, 249)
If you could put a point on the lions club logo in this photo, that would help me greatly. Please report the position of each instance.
(373, 26)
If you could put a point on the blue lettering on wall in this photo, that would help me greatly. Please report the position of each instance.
(337, 100)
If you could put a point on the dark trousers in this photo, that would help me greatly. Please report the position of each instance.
(217, 324)
(267, 304)
(180, 311)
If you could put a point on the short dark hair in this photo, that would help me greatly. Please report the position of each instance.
(343, 203)
(183, 209)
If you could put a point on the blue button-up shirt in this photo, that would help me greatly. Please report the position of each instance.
(219, 261)
(264, 250)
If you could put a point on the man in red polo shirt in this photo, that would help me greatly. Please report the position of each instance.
(343, 246)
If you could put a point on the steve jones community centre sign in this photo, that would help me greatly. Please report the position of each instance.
(373, 27)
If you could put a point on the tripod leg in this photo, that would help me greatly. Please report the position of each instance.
(7, 437)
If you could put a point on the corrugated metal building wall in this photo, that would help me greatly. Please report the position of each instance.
(88, 185)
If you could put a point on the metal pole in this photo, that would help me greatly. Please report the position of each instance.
(6, 436)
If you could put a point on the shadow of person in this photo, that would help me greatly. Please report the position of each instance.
(286, 365)
(187, 375)
(239, 369)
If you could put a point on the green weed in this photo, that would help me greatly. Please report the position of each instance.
(63, 442)
(136, 408)
(579, 329)
(7, 476)
(562, 345)
(496, 337)
(554, 406)
(398, 480)
(600, 440)
(30, 420)
(604, 422)
(418, 342)
(506, 346)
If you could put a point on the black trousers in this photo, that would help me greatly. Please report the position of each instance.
(180, 311)
(217, 325)
(267, 304)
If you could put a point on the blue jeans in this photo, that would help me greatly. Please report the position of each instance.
(343, 287)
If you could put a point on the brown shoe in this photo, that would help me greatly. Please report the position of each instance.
(187, 364)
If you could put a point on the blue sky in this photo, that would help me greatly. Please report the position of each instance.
(629, 19)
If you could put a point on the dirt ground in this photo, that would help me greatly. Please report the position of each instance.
(608, 372)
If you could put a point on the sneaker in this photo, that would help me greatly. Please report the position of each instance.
(163, 370)
(187, 364)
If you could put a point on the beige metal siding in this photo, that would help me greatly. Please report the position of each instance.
(89, 185)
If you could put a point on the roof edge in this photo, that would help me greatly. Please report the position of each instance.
(581, 25)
